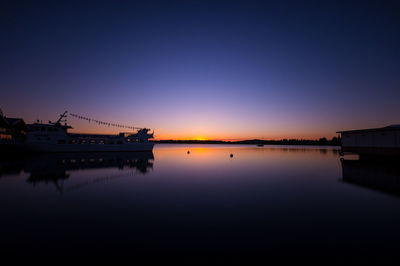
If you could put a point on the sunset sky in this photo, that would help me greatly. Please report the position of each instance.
(204, 69)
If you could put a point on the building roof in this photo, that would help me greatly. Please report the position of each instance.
(387, 128)
(3, 122)
(13, 121)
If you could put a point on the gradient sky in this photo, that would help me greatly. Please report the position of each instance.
(198, 69)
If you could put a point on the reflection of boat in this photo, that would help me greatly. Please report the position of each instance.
(382, 176)
(54, 137)
(52, 168)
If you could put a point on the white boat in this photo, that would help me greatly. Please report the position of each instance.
(54, 137)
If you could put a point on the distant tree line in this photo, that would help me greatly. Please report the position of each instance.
(335, 141)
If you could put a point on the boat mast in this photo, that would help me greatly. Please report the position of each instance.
(61, 117)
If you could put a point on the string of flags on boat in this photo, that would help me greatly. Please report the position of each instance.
(102, 122)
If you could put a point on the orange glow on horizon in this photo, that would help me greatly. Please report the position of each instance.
(209, 132)
(161, 135)
(201, 138)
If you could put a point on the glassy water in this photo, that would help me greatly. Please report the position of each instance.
(263, 201)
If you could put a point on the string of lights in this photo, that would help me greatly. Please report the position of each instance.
(99, 122)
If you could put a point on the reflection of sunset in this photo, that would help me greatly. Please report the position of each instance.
(202, 150)
(206, 158)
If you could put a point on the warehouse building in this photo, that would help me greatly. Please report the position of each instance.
(383, 141)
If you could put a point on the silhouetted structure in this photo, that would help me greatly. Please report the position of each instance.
(372, 143)
(11, 129)
(335, 141)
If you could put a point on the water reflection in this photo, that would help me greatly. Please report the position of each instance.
(265, 201)
(56, 168)
(383, 176)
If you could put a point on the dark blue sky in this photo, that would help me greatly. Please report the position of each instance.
(218, 69)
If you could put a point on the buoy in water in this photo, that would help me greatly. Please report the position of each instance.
(231, 155)
(188, 152)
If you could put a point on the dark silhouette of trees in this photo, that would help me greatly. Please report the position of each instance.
(335, 141)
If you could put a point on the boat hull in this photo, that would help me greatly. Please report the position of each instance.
(49, 147)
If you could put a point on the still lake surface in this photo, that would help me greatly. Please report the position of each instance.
(264, 201)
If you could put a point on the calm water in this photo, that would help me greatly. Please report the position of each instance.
(265, 201)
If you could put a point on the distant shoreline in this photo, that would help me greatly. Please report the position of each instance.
(321, 142)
